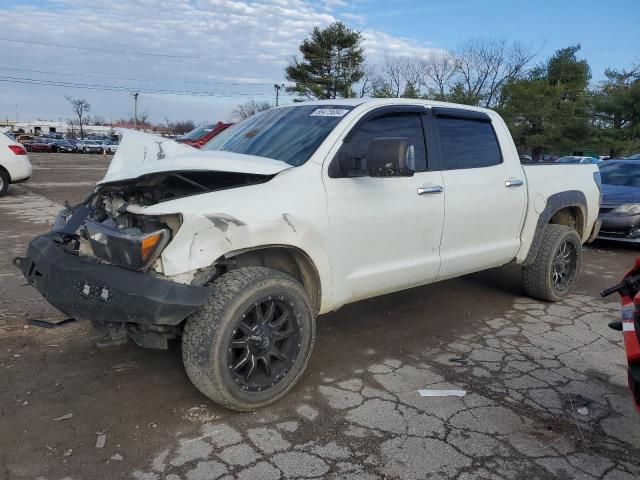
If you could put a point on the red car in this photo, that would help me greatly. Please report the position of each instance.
(38, 147)
(201, 135)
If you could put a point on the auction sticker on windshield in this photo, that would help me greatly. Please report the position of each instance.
(329, 112)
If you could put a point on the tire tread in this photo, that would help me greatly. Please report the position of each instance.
(204, 324)
(535, 277)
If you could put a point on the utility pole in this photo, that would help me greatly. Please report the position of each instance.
(278, 87)
(135, 110)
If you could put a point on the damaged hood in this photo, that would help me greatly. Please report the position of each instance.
(144, 153)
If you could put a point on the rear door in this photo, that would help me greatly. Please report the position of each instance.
(384, 232)
(484, 192)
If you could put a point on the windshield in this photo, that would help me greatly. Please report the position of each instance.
(289, 134)
(622, 174)
(196, 133)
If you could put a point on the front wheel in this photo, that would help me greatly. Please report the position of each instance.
(249, 344)
(554, 271)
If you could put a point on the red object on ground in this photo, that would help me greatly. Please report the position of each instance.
(199, 136)
(631, 333)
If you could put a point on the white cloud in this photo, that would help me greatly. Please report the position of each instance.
(377, 44)
(239, 42)
(353, 17)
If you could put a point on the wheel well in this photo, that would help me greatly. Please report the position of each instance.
(2, 169)
(571, 217)
(289, 260)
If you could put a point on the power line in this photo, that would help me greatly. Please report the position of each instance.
(124, 89)
(252, 58)
(114, 77)
(122, 52)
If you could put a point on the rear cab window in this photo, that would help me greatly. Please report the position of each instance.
(467, 140)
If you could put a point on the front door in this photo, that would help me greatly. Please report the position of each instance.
(385, 232)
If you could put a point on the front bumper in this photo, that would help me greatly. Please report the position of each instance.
(84, 289)
(619, 227)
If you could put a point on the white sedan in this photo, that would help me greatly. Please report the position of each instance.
(14, 163)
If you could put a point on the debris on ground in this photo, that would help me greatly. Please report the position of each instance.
(117, 457)
(442, 393)
(49, 322)
(101, 440)
(459, 360)
(63, 417)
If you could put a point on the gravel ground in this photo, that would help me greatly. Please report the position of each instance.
(545, 383)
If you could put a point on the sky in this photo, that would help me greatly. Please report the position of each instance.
(230, 51)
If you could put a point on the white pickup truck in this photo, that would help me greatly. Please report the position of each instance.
(295, 212)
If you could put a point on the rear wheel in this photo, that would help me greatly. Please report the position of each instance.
(554, 271)
(4, 182)
(249, 344)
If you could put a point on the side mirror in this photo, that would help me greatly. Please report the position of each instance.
(351, 163)
(390, 157)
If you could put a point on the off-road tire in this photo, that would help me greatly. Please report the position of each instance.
(537, 278)
(4, 182)
(208, 331)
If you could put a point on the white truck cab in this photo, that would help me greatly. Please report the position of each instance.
(295, 212)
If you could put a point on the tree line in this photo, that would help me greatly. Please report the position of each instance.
(551, 107)
(81, 109)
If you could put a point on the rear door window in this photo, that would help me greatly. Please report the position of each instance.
(467, 143)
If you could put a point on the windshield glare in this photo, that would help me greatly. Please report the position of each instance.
(621, 174)
(289, 134)
(196, 133)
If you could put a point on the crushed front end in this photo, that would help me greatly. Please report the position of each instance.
(100, 262)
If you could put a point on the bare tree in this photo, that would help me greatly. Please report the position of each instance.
(438, 69)
(96, 120)
(182, 126)
(72, 125)
(485, 65)
(247, 109)
(365, 88)
(143, 121)
(398, 76)
(81, 107)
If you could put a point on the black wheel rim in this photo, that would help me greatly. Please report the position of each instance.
(264, 344)
(564, 266)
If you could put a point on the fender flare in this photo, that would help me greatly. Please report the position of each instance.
(555, 203)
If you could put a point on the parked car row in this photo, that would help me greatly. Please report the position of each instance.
(71, 145)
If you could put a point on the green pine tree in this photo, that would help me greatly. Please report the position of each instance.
(332, 61)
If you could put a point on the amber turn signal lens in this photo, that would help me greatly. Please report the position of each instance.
(149, 245)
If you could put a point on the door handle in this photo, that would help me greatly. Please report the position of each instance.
(433, 189)
(513, 182)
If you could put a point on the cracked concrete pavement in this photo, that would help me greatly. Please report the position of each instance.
(545, 384)
(526, 373)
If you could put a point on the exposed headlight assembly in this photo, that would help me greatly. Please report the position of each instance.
(628, 209)
(129, 249)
